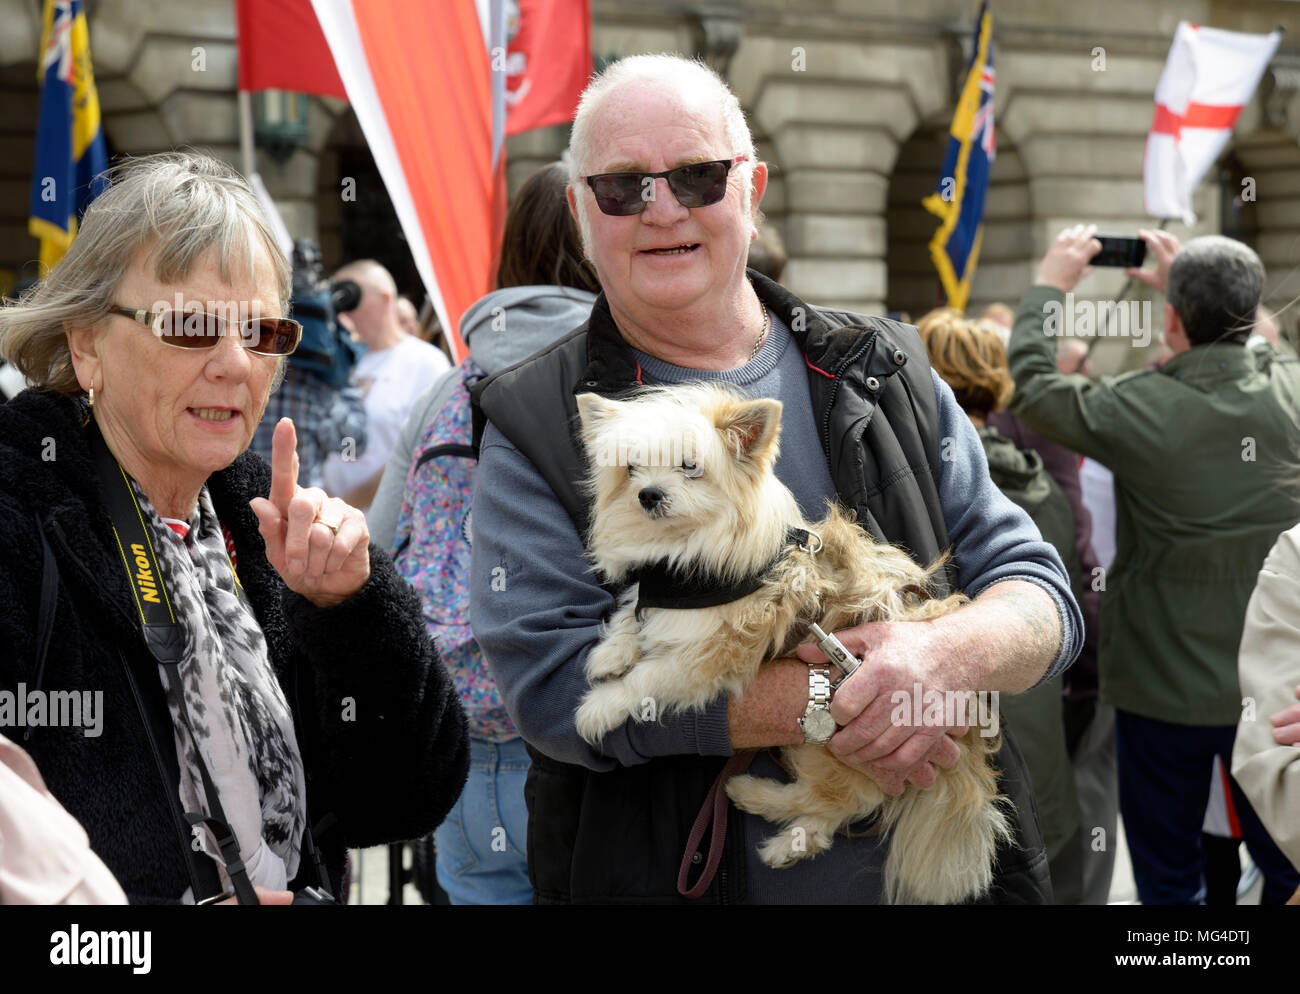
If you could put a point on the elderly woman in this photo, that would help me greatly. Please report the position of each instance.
(262, 689)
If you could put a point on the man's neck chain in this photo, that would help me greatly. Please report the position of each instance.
(762, 334)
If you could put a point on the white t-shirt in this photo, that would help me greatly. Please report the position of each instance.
(1097, 484)
(391, 380)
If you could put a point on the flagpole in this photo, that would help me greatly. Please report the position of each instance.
(246, 133)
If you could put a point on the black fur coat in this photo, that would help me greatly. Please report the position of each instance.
(383, 735)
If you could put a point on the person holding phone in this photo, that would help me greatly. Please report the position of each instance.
(269, 693)
(1198, 448)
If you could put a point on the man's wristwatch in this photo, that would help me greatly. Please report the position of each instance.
(817, 724)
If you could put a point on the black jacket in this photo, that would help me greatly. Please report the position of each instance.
(381, 729)
(619, 836)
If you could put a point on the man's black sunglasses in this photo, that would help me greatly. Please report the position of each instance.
(697, 184)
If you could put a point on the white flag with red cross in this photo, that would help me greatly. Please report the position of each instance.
(1208, 78)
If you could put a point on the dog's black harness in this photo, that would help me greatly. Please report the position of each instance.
(658, 585)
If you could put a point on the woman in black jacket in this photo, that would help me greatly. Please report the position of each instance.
(284, 692)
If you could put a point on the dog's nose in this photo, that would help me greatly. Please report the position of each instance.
(651, 497)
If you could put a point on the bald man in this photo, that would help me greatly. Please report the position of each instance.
(407, 317)
(395, 369)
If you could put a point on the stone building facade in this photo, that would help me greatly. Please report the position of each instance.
(849, 99)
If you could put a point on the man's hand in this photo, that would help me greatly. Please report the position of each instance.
(897, 656)
(1066, 262)
(1286, 724)
(1164, 247)
(318, 544)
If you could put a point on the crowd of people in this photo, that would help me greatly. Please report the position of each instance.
(335, 592)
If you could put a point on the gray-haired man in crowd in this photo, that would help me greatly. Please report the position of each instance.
(863, 421)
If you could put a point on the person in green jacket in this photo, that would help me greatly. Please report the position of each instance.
(971, 358)
(1203, 450)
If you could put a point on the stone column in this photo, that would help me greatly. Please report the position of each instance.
(836, 115)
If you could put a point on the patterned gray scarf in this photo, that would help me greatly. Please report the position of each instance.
(235, 703)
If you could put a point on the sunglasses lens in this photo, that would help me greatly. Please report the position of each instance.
(273, 336)
(700, 184)
(201, 330)
(188, 329)
(619, 194)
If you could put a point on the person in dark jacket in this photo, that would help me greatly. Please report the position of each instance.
(971, 358)
(665, 184)
(287, 698)
(1089, 724)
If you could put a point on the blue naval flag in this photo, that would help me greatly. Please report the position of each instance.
(70, 152)
(959, 200)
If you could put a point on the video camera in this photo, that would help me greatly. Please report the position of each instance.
(326, 349)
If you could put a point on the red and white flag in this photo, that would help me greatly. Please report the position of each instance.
(1209, 77)
(548, 61)
(420, 77)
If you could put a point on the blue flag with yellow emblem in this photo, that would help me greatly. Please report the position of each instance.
(959, 200)
(70, 152)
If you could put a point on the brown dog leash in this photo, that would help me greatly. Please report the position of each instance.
(712, 812)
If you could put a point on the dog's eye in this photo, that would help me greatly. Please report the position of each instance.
(631, 468)
(692, 471)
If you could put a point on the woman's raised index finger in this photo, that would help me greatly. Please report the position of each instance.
(284, 468)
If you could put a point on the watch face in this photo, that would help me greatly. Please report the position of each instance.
(818, 726)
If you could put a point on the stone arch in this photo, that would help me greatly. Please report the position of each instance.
(1266, 153)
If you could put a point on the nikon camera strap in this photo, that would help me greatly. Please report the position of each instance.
(164, 638)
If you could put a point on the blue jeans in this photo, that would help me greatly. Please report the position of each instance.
(483, 844)
(1164, 786)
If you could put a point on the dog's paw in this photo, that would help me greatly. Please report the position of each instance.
(612, 658)
(779, 851)
(795, 843)
(601, 711)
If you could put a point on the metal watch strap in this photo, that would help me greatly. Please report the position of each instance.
(819, 689)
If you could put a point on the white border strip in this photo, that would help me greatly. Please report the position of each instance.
(339, 24)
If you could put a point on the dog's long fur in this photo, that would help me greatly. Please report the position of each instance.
(724, 516)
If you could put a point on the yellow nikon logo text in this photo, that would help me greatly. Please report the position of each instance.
(144, 575)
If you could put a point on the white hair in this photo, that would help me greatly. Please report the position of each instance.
(185, 203)
(670, 71)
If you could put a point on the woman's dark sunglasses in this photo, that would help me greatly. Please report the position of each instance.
(698, 184)
(202, 330)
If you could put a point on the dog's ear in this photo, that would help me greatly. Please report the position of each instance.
(749, 428)
(593, 408)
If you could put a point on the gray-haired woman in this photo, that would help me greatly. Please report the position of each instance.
(253, 686)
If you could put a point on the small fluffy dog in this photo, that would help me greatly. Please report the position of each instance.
(683, 487)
